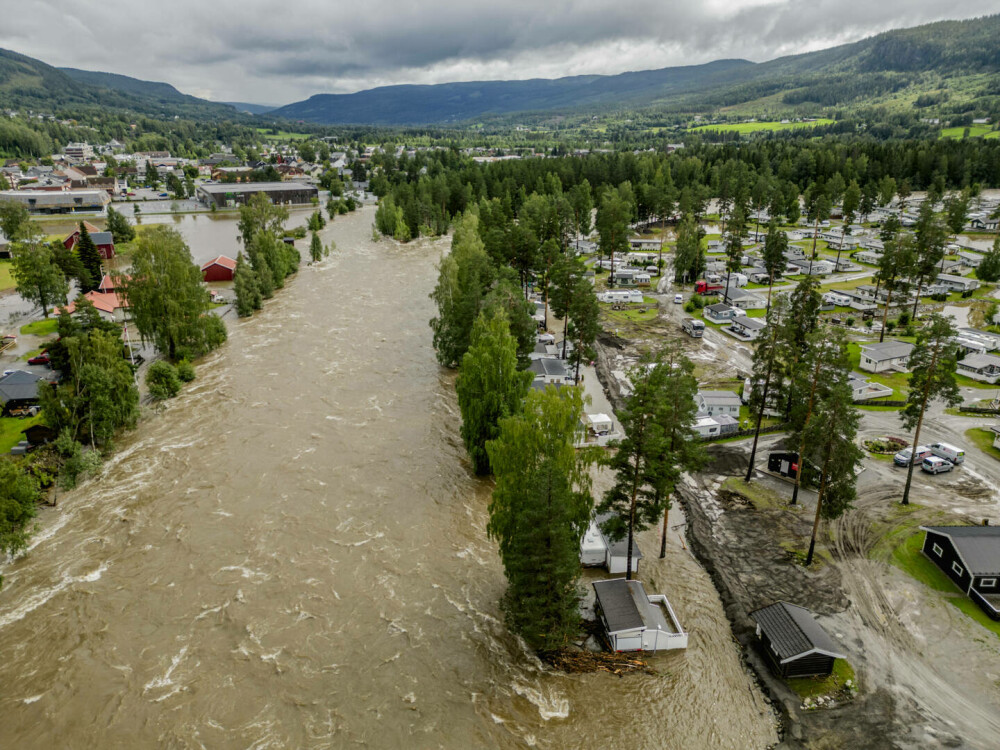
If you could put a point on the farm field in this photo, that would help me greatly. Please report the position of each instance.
(753, 127)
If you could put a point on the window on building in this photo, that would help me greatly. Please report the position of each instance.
(988, 583)
(937, 549)
(959, 570)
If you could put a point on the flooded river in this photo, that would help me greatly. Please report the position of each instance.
(293, 554)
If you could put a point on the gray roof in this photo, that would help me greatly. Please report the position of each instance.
(978, 546)
(255, 187)
(617, 548)
(794, 632)
(548, 366)
(753, 323)
(20, 385)
(979, 361)
(720, 307)
(102, 238)
(720, 397)
(618, 603)
(887, 350)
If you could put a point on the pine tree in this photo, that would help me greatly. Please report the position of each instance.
(641, 458)
(585, 315)
(119, 226)
(248, 297)
(539, 513)
(930, 236)
(932, 378)
(767, 371)
(91, 259)
(315, 248)
(490, 386)
(689, 256)
(775, 248)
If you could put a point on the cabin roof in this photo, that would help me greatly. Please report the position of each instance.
(618, 603)
(978, 546)
(887, 350)
(222, 260)
(793, 632)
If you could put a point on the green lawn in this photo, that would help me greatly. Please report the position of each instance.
(760, 496)
(10, 430)
(754, 127)
(811, 687)
(982, 439)
(283, 135)
(983, 131)
(972, 609)
(6, 275)
(41, 327)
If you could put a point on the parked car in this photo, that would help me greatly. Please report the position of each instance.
(948, 452)
(41, 359)
(903, 457)
(678, 299)
(935, 465)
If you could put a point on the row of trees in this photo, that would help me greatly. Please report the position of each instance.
(267, 259)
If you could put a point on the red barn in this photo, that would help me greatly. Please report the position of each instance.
(103, 241)
(219, 269)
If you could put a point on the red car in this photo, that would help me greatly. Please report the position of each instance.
(41, 359)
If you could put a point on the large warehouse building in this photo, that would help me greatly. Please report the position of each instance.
(58, 201)
(237, 194)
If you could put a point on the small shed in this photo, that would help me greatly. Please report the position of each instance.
(597, 549)
(221, 268)
(795, 643)
(599, 424)
(18, 390)
(783, 464)
(635, 621)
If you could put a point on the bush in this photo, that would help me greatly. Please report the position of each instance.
(910, 330)
(868, 323)
(185, 371)
(162, 380)
(689, 306)
(850, 322)
(903, 319)
(940, 297)
(890, 325)
(697, 301)
(77, 463)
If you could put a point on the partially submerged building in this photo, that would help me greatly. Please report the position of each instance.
(635, 621)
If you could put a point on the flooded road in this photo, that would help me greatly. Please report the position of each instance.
(293, 554)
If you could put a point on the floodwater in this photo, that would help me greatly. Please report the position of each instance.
(293, 554)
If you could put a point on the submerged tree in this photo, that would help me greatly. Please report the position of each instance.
(490, 386)
(539, 513)
(932, 378)
(248, 296)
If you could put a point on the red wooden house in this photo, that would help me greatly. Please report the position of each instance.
(103, 241)
(219, 269)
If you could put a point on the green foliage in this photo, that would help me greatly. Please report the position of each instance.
(490, 386)
(316, 249)
(613, 217)
(91, 260)
(38, 278)
(246, 287)
(18, 495)
(316, 221)
(505, 299)
(185, 371)
(168, 303)
(689, 259)
(77, 463)
(162, 380)
(538, 514)
(989, 267)
(15, 220)
(119, 226)
(259, 214)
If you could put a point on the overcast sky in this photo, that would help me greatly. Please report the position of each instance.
(279, 52)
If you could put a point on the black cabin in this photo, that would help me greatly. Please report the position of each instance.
(969, 556)
(783, 464)
(794, 642)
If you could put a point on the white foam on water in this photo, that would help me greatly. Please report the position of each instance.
(549, 707)
(32, 699)
(166, 679)
(40, 598)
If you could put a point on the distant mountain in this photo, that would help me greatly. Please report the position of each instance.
(27, 83)
(457, 102)
(252, 109)
(864, 70)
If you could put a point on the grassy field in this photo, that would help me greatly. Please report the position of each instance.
(6, 275)
(975, 131)
(754, 127)
(41, 327)
(283, 135)
(811, 687)
(10, 431)
(982, 439)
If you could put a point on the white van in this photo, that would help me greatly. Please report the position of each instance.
(935, 465)
(948, 452)
(903, 457)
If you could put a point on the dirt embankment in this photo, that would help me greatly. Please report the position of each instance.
(738, 546)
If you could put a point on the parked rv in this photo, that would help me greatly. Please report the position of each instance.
(693, 327)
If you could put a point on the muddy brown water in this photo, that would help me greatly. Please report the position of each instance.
(293, 554)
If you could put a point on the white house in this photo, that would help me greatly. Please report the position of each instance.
(723, 424)
(837, 298)
(957, 283)
(816, 267)
(972, 260)
(714, 403)
(635, 621)
(747, 329)
(863, 390)
(984, 367)
(551, 371)
(745, 300)
(720, 312)
(889, 355)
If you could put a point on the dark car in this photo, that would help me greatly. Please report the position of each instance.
(41, 359)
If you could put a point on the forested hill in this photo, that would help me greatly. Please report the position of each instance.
(27, 83)
(926, 56)
(456, 102)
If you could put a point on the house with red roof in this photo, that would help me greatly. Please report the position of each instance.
(222, 268)
(109, 306)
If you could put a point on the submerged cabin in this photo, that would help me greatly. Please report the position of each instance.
(634, 621)
(795, 643)
(598, 550)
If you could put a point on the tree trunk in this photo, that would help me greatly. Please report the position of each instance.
(885, 317)
(565, 333)
(726, 293)
(819, 507)
(916, 301)
(802, 443)
(916, 434)
(770, 284)
(840, 248)
(760, 418)
(663, 541)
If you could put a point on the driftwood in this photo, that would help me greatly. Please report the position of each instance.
(577, 662)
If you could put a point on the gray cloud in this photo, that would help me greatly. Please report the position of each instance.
(278, 53)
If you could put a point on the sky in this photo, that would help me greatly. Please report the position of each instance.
(259, 52)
